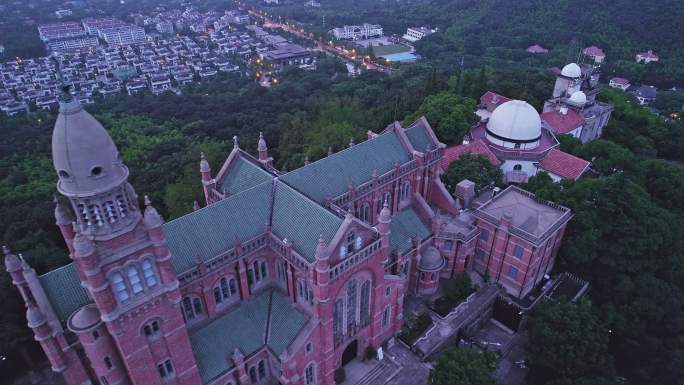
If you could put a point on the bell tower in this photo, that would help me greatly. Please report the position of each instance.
(133, 332)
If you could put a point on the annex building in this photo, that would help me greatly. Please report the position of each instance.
(282, 277)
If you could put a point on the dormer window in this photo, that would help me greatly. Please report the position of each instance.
(96, 171)
(63, 174)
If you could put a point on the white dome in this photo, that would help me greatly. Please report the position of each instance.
(578, 98)
(571, 70)
(516, 121)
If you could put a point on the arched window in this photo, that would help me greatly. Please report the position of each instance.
(281, 271)
(310, 374)
(224, 289)
(192, 308)
(351, 303)
(134, 279)
(119, 286)
(338, 321)
(364, 213)
(517, 167)
(405, 191)
(387, 197)
(253, 375)
(365, 302)
(152, 329)
(148, 273)
(262, 370)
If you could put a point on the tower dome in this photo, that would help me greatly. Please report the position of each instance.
(514, 122)
(578, 98)
(84, 155)
(571, 70)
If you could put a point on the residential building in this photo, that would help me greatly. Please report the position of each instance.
(536, 48)
(413, 34)
(620, 83)
(595, 53)
(646, 57)
(65, 30)
(358, 32)
(73, 44)
(288, 54)
(122, 35)
(645, 94)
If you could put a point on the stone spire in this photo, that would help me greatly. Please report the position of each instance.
(12, 262)
(321, 249)
(262, 148)
(204, 164)
(330, 150)
(152, 218)
(236, 144)
(384, 219)
(195, 206)
(351, 142)
(63, 216)
(306, 160)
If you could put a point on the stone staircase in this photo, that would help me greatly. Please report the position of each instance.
(382, 373)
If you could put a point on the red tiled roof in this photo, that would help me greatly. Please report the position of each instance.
(476, 147)
(563, 164)
(562, 123)
(537, 49)
(648, 54)
(618, 80)
(554, 70)
(594, 51)
(493, 99)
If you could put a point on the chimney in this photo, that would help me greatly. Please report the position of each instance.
(465, 191)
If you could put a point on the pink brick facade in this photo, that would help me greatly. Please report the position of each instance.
(139, 303)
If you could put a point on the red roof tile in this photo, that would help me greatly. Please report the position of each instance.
(618, 80)
(477, 147)
(492, 100)
(563, 164)
(594, 51)
(562, 123)
(537, 49)
(554, 70)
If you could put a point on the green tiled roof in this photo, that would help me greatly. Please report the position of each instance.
(333, 174)
(64, 291)
(217, 228)
(301, 220)
(406, 225)
(286, 322)
(419, 137)
(242, 175)
(246, 329)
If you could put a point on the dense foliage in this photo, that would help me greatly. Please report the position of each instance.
(476, 168)
(567, 340)
(462, 366)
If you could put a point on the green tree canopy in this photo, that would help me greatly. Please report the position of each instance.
(451, 116)
(476, 168)
(568, 341)
(462, 366)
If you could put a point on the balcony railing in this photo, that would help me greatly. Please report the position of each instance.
(354, 260)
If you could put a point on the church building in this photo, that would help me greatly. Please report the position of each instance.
(283, 277)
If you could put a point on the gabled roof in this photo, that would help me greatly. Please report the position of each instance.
(493, 100)
(266, 319)
(618, 80)
(301, 221)
(419, 136)
(476, 147)
(64, 291)
(333, 174)
(594, 51)
(405, 226)
(242, 174)
(562, 123)
(563, 164)
(217, 228)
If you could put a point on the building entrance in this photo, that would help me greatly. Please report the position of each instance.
(350, 352)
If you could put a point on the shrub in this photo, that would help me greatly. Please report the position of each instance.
(370, 353)
(340, 375)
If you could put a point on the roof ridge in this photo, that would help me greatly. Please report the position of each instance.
(57, 269)
(220, 202)
(342, 151)
(318, 205)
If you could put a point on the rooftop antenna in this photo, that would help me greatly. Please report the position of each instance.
(65, 96)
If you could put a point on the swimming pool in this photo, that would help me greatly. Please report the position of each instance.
(400, 57)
